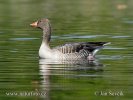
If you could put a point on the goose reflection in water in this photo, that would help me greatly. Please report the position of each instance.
(65, 68)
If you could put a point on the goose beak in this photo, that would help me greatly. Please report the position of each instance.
(34, 24)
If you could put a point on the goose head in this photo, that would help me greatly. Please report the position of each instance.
(42, 24)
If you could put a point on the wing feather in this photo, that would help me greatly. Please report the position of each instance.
(77, 47)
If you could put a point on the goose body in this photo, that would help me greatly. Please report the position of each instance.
(68, 51)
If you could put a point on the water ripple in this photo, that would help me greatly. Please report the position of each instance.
(128, 22)
(121, 36)
(1, 32)
(114, 57)
(84, 37)
(113, 48)
(22, 39)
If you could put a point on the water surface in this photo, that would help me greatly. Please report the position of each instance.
(23, 78)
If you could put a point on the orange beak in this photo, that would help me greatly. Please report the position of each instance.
(34, 24)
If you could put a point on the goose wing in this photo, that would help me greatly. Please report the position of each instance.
(80, 46)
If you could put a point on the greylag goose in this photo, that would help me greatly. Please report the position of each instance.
(70, 51)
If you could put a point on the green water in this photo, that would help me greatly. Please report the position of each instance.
(23, 78)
